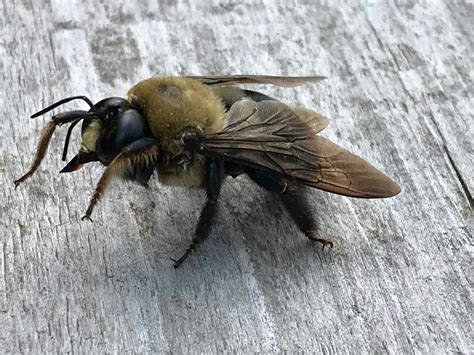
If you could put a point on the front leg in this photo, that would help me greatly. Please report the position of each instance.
(213, 181)
(46, 134)
(135, 158)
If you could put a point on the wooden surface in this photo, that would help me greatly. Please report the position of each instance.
(399, 93)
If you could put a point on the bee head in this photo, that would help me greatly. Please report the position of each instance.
(114, 124)
(107, 127)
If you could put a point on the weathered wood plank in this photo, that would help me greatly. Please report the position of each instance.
(399, 93)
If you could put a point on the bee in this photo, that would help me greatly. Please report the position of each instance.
(195, 131)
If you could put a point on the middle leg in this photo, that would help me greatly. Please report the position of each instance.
(213, 181)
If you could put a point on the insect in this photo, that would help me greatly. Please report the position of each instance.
(194, 131)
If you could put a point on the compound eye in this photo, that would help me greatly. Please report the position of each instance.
(130, 127)
(123, 128)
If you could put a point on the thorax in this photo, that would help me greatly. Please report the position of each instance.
(171, 105)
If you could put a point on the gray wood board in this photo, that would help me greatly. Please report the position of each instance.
(399, 93)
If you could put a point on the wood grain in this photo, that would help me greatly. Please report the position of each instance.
(399, 93)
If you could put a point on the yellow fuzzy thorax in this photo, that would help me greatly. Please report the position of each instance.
(172, 104)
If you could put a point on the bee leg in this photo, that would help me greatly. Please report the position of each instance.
(202, 230)
(267, 181)
(141, 154)
(297, 205)
(45, 139)
(213, 187)
(294, 202)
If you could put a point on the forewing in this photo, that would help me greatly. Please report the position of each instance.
(285, 81)
(270, 136)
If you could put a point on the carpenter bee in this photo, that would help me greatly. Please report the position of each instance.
(194, 131)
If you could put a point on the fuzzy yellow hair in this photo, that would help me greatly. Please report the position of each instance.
(173, 103)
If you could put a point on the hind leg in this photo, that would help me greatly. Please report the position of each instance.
(298, 207)
(294, 201)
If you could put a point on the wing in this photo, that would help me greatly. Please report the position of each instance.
(230, 95)
(285, 81)
(273, 137)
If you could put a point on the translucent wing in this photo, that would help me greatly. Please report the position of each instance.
(231, 95)
(271, 136)
(285, 81)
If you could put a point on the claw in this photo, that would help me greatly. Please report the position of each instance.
(177, 263)
(327, 243)
(86, 217)
(324, 242)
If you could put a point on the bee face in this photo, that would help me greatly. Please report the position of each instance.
(116, 123)
(107, 128)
